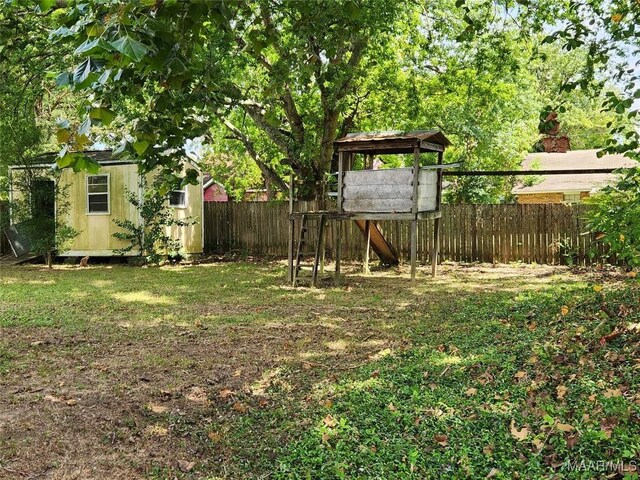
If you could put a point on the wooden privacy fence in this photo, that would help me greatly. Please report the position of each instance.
(547, 234)
(4, 219)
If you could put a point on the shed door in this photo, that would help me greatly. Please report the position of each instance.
(43, 193)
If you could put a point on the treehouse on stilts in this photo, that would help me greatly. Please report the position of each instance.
(368, 195)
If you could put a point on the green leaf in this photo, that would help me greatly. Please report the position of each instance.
(102, 114)
(131, 48)
(63, 135)
(46, 5)
(95, 30)
(65, 160)
(63, 79)
(85, 127)
(82, 71)
(86, 46)
(141, 146)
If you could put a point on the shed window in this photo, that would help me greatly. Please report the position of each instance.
(571, 198)
(98, 194)
(178, 198)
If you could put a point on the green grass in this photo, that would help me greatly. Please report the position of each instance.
(377, 378)
(501, 363)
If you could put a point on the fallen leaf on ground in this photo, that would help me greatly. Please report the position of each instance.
(520, 435)
(215, 437)
(442, 440)
(561, 391)
(329, 421)
(597, 288)
(493, 473)
(520, 374)
(471, 392)
(226, 393)
(392, 407)
(185, 466)
(240, 407)
(197, 395)
(612, 392)
(71, 402)
(564, 427)
(564, 310)
(51, 398)
(539, 444)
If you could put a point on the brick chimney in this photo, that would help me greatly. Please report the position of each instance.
(552, 141)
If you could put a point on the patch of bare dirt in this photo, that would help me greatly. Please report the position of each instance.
(118, 406)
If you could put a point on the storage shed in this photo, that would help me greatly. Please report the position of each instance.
(95, 200)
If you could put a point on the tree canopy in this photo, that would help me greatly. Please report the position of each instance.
(270, 84)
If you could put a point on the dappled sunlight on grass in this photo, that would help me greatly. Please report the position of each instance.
(337, 345)
(259, 387)
(364, 385)
(143, 297)
(41, 282)
(445, 360)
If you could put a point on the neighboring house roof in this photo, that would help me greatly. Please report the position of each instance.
(578, 160)
(208, 180)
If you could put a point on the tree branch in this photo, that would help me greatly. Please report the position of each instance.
(267, 172)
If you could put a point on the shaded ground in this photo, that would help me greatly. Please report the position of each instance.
(203, 371)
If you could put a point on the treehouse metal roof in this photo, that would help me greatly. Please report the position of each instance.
(393, 141)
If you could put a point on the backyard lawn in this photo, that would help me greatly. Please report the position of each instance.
(224, 371)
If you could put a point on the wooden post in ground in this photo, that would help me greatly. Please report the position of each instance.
(436, 246)
(291, 228)
(436, 222)
(414, 210)
(338, 240)
(367, 248)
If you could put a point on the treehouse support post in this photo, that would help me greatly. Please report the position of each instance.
(291, 228)
(339, 222)
(436, 222)
(414, 211)
(367, 248)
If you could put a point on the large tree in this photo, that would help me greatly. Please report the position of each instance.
(170, 69)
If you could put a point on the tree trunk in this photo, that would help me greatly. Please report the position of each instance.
(50, 260)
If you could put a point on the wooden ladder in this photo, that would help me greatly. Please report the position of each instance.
(308, 223)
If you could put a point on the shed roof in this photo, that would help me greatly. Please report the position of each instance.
(578, 160)
(48, 160)
(393, 141)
